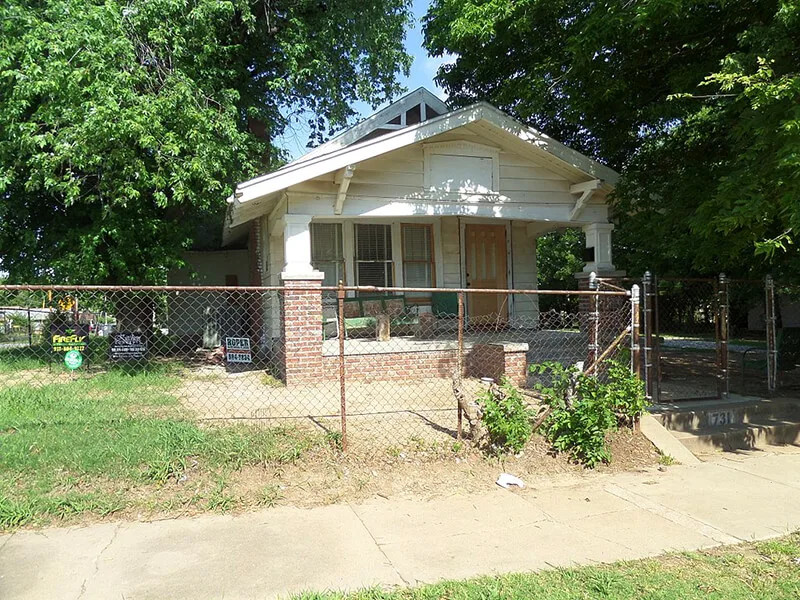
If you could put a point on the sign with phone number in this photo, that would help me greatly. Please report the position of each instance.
(237, 350)
(66, 338)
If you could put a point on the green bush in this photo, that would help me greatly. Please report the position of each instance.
(584, 409)
(624, 392)
(506, 417)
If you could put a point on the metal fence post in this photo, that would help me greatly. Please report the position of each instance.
(723, 386)
(594, 320)
(636, 357)
(657, 377)
(649, 321)
(30, 333)
(340, 294)
(460, 359)
(772, 350)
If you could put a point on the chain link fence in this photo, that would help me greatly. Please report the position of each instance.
(376, 367)
(708, 338)
(782, 328)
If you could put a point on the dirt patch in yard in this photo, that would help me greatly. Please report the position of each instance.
(324, 476)
(420, 471)
(422, 474)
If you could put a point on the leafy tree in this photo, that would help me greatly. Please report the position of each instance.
(695, 101)
(558, 258)
(125, 124)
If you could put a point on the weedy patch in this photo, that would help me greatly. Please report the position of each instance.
(124, 428)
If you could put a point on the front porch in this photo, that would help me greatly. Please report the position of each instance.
(539, 345)
(485, 351)
(419, 253)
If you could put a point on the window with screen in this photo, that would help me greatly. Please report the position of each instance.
(418, 265)
(326, 251)
(373, 245)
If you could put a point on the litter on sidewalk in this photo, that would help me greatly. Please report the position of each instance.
(506, 480)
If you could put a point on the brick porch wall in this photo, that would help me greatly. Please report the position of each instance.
(393, 366)
(303, 362)
(496, 361)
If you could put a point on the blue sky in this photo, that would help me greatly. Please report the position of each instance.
(422, 72)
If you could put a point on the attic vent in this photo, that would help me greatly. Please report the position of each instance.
(461, 167)
(414, 115)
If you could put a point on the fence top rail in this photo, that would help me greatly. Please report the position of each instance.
(689, 279)
(481, 291)
(350, 288)
(138, 288)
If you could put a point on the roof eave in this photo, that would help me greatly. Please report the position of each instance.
(295, 173)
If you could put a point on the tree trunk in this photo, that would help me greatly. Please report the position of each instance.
(472, 413)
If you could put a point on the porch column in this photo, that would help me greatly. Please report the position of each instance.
(598, 239)
(599, 316)
(297, 244)
(301, 305)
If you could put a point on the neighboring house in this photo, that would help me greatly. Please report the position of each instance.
(201, 318)
(38, 317)
(418, 195)
(788, 309)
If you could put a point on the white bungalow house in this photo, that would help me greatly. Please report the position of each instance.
(418, 195)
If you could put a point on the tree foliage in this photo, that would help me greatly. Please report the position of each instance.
(123, 125)
(697, 102)
(558, 258)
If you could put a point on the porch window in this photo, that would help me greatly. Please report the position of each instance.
(326, 251)
(374, 255)
(418, 265)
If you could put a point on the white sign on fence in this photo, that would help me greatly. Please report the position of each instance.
(237, 350)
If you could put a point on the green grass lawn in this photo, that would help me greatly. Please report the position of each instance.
(761, 571)
(96, 445)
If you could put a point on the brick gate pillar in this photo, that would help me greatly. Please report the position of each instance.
(301, 328)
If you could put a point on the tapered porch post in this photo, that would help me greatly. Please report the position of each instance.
(599, 316)
(598, 240)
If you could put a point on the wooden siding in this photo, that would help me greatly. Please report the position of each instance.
(451, 252)
(400, 175)
(524, 273)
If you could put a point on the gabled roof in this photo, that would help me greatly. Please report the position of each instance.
(254, 197)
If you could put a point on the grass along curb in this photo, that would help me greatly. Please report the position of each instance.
(756, 571)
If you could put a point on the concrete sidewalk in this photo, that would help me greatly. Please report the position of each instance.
(281, 551)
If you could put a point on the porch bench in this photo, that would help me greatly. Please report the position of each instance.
(362, 313)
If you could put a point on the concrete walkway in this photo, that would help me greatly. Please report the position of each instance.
(281, 551)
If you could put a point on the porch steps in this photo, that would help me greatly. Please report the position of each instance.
(740, 423)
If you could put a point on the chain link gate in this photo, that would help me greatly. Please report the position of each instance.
(782, 325)
(708, 338)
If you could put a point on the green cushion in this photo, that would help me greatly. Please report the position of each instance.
(360, 322)
(444, 303)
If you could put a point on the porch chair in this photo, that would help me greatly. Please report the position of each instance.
(361, 313)
(330, 321)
